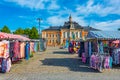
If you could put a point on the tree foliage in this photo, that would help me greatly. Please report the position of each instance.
(30, 32)
(5, 29)
(27, 31)
(34, 33)
(19, 31)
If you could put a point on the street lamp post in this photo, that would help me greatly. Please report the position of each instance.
(39, 21)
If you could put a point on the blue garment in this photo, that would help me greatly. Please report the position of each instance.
(67, 44)
(70, 45)
(110, 63)
(4, 64)
(100, 47)
(27, 51)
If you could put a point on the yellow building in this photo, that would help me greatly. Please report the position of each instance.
(71, 30)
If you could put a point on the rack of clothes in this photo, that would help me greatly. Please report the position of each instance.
(12, 51)
(74, 47)
(13, 48)
(100, 61)
(116, 56)
(5, 61)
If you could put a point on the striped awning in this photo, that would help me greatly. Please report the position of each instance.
(3, 35)
(13, 36)
(104, 35)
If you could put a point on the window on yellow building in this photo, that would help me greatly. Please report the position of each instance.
(50, 35)
(46, 35)
(53, 41)
(50, 41)
(53, 35)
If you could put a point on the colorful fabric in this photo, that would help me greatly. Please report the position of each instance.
(22, 49)
(83, 57)
(100, 62)
(116, 56)
(16, 49)
(11, 49)
(4, 49)
(90, 51)
(6, 65)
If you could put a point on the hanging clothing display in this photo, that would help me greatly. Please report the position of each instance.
(22, 49)
(11, 53)
(90, 50)
(11, 50)
(31, 49)
(1, 64)
(27, 51)
(74, 47)
(70, 48)
(100, 62)
(6, 65)
(100, 47)
(116, 56)
(83, 57)
(86, 49)
(67, 44)
(16, 49)
(4, 49)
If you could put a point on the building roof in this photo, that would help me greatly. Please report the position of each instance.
(88, 28)
(67, 26)
(75, 24)
(104, 35)
(53, 28)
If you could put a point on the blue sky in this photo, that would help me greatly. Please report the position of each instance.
(100, 14)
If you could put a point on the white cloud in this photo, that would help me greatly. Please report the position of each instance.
(56, 20)
(102, 9)
(35, 4)
(59, 20)
(53, 5)
(108, 25)
(79, 20)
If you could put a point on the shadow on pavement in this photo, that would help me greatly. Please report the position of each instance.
(73, 64)
(61, 52)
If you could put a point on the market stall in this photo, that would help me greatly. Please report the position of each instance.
(74, 46)
(14, 48)
(102, 49)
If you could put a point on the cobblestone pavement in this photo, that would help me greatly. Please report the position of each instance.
(56, 64)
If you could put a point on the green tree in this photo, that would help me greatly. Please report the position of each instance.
(19, 31)
(34, 33)
(27, 31)
(5, 29)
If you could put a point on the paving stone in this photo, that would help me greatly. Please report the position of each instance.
(57, 64)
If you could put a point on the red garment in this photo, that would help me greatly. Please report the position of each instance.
(16, 50)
